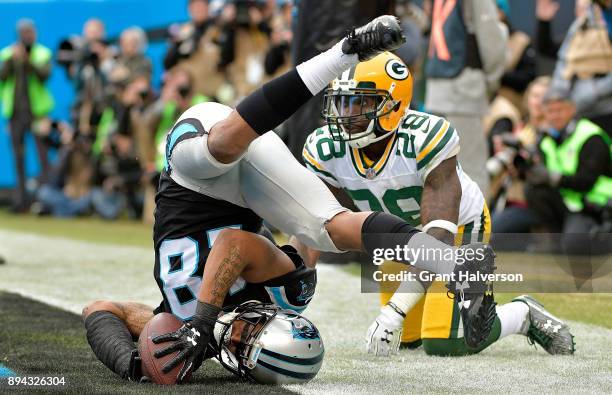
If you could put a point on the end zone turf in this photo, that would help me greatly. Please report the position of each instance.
(37, 339)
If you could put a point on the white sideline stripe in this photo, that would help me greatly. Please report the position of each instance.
(41, 267)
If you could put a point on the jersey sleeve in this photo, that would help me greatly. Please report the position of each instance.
(313, 162)
(436, 142)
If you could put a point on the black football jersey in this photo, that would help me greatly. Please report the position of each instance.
(186, 225)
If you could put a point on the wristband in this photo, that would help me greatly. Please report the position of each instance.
(205, 316)
(442, 224)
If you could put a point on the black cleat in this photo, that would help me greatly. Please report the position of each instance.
(381, 34)
(543, 328)
(473, 294)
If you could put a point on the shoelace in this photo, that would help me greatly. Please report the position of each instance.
(536, 335)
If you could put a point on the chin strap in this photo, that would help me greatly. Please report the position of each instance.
(369, 138)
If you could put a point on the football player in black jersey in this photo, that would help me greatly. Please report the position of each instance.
(225, 171)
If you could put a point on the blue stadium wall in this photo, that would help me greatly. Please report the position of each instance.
(58, 19)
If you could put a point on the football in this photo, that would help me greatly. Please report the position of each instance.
(151, 366)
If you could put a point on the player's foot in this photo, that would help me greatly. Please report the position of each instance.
(473, 292)
(545, 329)
(381, 34)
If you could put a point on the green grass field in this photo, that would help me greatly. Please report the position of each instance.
(54, 267)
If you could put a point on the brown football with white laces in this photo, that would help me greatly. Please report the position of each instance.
(160, 324)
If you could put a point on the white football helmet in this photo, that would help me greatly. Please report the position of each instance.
(268, 345)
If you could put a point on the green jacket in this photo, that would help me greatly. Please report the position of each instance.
(41, 101)
(564, 159)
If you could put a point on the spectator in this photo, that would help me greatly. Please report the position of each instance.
(176, 97)
(546, 46)
(245, 27)
(133, 43)
(194, 46)
(89, 61)
(520, 65)
(585, 67)
(506, 110)
(571, 187)
(278, 57)
(119, 171)
(513, 155)
(24, 68)
(467, 56)
(68, 192)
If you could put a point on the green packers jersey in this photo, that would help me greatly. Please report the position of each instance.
(395, 182)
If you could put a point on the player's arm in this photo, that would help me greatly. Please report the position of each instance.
(235, 253)
(440, 200)
(278, 99)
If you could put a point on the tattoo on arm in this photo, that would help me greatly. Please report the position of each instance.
(441, 198)
(228, 271)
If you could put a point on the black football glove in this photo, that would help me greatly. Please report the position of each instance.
(191, 343)
(191, 340)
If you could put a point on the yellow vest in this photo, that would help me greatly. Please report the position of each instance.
(41, 101)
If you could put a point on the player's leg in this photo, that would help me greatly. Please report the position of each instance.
(441, 328)
(442, 332)
(297, 202)
(442, 335)
(111, 329)
(278, 99)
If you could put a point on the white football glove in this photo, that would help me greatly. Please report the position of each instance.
(385, 333)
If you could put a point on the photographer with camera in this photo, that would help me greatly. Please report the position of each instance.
(194, 46)
(512, 158)
(278, 56)
(88, 60)
(116, 147)
(245, 29)
(68, 192)
(570, 186)
(24, 68)
(176, 97)
(132, 46)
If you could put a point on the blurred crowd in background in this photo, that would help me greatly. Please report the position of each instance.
(536, 139)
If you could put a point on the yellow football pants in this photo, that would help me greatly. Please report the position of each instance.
(436, 316)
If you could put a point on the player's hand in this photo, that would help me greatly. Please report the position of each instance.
(191, 344)
(385, 333)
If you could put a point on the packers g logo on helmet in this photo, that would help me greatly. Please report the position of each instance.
(397, 70)
(367, 102)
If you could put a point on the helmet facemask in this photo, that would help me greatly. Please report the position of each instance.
(240, 330)
(353, 114)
